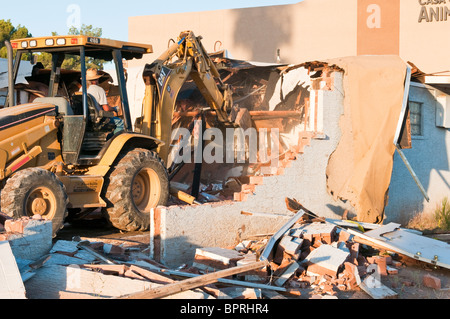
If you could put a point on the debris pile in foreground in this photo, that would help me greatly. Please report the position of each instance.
(309, 257)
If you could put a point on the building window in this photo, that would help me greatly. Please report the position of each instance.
(415, 109)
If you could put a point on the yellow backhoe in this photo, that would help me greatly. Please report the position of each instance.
(57, 155)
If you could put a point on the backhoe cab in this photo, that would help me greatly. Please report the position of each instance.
(57, 155)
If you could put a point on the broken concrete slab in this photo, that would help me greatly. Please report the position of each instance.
(64, 260)
(325, 232)
(325, 260)
(290, 245)
(11, 284)
(378, 291)
(56, 282)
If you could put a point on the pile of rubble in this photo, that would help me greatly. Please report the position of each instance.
(309, 257)
(313, 256)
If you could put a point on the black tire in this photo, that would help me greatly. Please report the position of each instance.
(138, 182)
(35, 191)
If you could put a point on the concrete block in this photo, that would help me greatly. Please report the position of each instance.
(35, 240)
(289, 245)
(392, 270)
(324, 232)
(177, 231)
(325, 260)
(242, 245)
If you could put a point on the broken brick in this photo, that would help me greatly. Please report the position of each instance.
(343, 235)
(392, 270)
(16, 225)
(381, 262)
(431, 281)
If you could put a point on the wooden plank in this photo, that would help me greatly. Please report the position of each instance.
(191, 283)
(151, 275)
(230, 281)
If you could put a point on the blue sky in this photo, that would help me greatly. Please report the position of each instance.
(44, 16)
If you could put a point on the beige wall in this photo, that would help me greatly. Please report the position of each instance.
(301, 31)
(426, 44)
(311, 30)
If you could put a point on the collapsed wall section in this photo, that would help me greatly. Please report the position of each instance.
(260, 207)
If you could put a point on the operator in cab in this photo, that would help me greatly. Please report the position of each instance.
(99, 94)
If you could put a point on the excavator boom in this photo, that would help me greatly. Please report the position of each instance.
(164, 80)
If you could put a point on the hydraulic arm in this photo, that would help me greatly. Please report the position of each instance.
(164, 79)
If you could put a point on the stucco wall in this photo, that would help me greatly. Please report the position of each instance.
(300, 31)
(429, 158)
(311, 30)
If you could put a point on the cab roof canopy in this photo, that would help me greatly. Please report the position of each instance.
(98, 48)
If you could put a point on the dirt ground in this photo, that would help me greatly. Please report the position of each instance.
(407, 283)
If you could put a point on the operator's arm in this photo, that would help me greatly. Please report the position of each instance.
(108, 108)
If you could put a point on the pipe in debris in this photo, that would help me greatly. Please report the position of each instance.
(411, 171)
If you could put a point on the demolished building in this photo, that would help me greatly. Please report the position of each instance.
(337, 136)
(343, 125)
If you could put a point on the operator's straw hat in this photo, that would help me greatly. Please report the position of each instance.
(92, 74)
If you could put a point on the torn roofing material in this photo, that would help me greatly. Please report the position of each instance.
(360, 168)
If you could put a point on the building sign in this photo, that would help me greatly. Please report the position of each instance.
(433, 10)
(378, 29)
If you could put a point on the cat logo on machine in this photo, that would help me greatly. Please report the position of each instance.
(165, 72)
